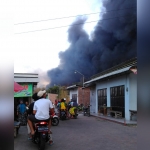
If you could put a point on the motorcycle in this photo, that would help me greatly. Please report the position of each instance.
(54, 119)
(80, 108)
(86, 111)
(63, 115)
(75, 114)
(41, 134)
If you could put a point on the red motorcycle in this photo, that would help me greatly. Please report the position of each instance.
(41, 134)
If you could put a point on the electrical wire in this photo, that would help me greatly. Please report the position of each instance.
(71, 25)
(72, 16)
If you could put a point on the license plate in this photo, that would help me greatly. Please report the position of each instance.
(42, 129)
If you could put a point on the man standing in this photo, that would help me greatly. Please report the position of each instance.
(41, 109)
(21, 112)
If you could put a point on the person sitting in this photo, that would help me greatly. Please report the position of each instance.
(74, 106)
(63, 105)
(30, 112)
(69, 105)
(41, 110)
(21, 113)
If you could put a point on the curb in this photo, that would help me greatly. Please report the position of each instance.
(125, 124)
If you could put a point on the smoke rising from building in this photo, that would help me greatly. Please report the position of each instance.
(113, 41)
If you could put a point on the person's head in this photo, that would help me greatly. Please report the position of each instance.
(21, 101)
(62, 100)
(27, 103)
(35, 97)
(42, 94)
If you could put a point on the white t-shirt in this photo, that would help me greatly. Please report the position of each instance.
(42, 107)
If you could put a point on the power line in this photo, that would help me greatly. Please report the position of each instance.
(71, 25)
(72, 16)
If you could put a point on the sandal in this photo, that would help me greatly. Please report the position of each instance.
(51, 143)
(32, 134)
(29, 138)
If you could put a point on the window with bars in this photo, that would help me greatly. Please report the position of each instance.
(74, 97)
(117, 95)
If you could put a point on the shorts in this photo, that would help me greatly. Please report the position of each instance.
(33, 119)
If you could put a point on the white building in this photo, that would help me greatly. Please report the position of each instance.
(80, 94)
(116, 88)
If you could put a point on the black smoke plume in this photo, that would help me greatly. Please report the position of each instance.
(113, 42)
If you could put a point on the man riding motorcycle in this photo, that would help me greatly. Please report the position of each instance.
(63, 106)
(73, 109)
(41, 110)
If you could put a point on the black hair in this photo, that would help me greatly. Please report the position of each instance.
(35, 97)
(62, 100)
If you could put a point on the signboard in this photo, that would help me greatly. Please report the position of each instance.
(23, 90)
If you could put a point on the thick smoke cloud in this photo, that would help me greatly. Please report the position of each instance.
(113, 41)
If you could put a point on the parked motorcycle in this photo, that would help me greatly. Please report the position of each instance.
(41, 134)
(54, 119)
(80, 108)
(86, 111)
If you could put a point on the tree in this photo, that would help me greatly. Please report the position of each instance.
(53, 90)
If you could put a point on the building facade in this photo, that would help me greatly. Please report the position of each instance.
(116, 88)
(80, 94)
(27, 81)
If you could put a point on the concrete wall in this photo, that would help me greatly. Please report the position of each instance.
(84, 96)
(133, 92)
(24, 80)
(93, 99)
(52, 97)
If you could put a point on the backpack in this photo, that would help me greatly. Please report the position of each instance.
(22, 108)
(62, 105)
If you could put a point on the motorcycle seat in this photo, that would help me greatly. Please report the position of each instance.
(63, 109)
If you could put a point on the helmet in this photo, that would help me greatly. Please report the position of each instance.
(64, 99)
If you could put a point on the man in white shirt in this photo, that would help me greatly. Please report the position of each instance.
(41, 109)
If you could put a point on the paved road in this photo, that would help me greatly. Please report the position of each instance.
(85, 133)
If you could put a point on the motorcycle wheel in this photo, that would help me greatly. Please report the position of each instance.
(88, 114)
(84, 113)
(75, 116)
(42, 143)
(55, 121)
(63, 117)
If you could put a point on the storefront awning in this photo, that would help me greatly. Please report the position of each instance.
(17, 87)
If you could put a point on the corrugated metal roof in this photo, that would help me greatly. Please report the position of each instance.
(109, 74)
(127, 63)
(73, 86)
